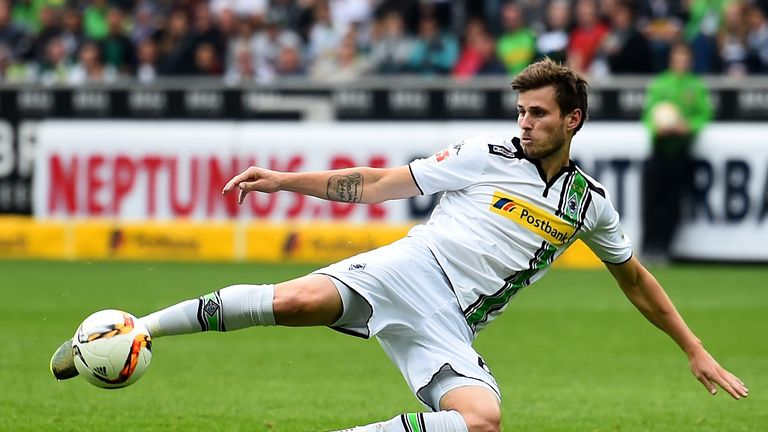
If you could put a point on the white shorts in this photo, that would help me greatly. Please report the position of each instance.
(399, 294)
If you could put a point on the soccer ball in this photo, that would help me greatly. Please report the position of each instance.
(112, 349)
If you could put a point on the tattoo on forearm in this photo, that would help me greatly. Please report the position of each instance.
(345, 188)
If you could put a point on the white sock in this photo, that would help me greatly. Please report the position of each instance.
(231, 308)
(441, 421)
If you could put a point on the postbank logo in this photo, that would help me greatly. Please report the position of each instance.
(550, 227)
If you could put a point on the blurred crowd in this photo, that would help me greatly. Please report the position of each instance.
(239, 41)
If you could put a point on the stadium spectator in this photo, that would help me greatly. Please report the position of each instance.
(704, 20)
(205, 31)
(732, 41)
(391, 46)
(757, 40)
(176, 46)
(239, 40)
(624, 48)
(290, 62)
(661, 21)
(207, 61)
(445, 12)
(26, 13)
(347, 65)
(268, 44)
(49, 29)
(146, 22)
(56, 65)
(72, 32)
(434, 52)
(324, 38)
(534, 13)
(95, 23)
(348, 13)
(606, 8)
(677, 107)
(5, 63)
(118, 49)
(553, 41)
(15, 40)
(586, 36)
(226, 21)
(242, 69)
(147, 55)
(489, 11)
(478, 56)
(90, 67)
(297, 15)
(409, 11)
(516, 47)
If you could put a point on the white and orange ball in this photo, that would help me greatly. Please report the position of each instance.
(112, 349)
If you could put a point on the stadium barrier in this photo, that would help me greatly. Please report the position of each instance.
(314, 243)
(175, 170)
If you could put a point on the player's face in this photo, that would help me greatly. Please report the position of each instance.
(543, 131)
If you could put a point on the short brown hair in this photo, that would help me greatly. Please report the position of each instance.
(570, 88)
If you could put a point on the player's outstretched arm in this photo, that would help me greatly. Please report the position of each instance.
(649, 297)
(352, 185)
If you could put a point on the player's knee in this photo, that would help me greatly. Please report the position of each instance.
(306, 301)
(292, 302)
(478, 405)
(486, 421)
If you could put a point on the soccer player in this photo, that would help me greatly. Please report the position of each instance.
(510, 208)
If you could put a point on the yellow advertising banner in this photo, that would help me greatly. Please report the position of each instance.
(318, 242)
(211, 241)
(22, 238)
(182, 241)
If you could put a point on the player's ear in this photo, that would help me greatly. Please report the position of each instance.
(573, 119)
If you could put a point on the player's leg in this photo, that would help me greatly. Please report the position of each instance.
(311, 300)
(441, 421)
(421, 327)
(466, 405)
(478, 405)
(307, 301)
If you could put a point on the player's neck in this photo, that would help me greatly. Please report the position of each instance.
(554, 163)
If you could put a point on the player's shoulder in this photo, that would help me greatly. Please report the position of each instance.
(594, 186)
(493, 145)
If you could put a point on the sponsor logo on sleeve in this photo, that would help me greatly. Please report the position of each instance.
(501, 151)
(443, 155)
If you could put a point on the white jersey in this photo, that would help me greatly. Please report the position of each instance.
(499, 225)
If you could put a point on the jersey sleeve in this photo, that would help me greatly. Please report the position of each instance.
(607, 239)
(453, 168)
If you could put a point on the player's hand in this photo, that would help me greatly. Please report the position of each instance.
(706, 369)
(253, 179)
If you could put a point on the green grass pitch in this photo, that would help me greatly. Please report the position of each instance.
(570, 354)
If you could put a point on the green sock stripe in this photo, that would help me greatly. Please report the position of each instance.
(413, 420)
(212, 311)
